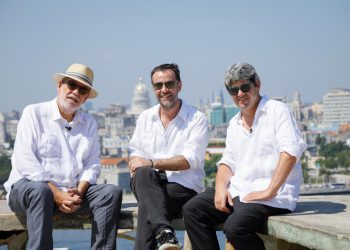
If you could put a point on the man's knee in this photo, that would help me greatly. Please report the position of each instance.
(143, 172)
(144, 175)
(41, 192)
(235, 227)
(115, 192)
(192, 209)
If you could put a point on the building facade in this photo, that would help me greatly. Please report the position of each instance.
(336, 106)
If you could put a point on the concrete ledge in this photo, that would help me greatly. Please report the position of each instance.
(319, 222)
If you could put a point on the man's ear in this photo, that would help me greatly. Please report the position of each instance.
(179, 86)
(257, 84)
(59, 84)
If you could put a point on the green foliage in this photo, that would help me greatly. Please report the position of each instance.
(5, 168)
(305, 171)
(335, 155)
(210, 165)
(320, 140)
(216, 144)
(331, 149)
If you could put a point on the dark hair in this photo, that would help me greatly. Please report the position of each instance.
(166, 66)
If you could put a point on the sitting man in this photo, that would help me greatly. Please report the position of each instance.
(55, 165)
(259, 173)
(167, 160)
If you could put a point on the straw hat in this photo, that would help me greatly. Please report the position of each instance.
(80, 73)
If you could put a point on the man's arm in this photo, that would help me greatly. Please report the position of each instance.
(175, 163)
(284, 166)
(222, 180)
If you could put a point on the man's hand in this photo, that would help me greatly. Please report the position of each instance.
(68, 202)
(262, 195)
(221, 198)
(138, 162)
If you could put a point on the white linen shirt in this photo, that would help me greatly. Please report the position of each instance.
(253, 157)
(186, 135)
(46, 151)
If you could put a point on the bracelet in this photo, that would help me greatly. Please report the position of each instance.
(152, 164)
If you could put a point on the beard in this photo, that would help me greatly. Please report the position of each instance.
(169, 103)
(65, 105)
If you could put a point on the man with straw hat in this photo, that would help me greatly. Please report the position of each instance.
(55, 165)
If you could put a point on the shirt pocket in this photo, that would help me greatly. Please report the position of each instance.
(49, 146)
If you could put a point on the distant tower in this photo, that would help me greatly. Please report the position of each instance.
(296, 106)
(140, 100)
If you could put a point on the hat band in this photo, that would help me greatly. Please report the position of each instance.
(81, 76)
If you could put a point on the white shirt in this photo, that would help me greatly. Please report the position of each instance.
(186, 135)
(46, 151)
(253, 157)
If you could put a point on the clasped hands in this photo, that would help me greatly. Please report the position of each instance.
(68, 201)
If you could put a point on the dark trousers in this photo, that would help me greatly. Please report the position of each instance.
(158, 201)
(240, 226)
(35, 200)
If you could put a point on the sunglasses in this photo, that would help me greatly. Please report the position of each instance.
(245, 87)
(73, 86)
(168, 85)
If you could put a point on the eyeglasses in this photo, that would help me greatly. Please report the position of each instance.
(168, 85)
(245, 87)
(73, 86)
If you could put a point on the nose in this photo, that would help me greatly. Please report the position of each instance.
(164, 88)
(76, 92)
(240, 92)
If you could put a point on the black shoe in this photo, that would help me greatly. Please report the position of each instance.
(167, 241)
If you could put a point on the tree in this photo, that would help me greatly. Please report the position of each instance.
(210, 165)
(343, 159)
(5, 168)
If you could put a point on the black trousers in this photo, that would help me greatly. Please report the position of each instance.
(240, 226)
(158, 201)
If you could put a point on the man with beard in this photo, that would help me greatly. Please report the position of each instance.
(166, 160)
(259, 173)
(55, 165)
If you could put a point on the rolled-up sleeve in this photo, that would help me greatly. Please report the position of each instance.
(288, 135)
(197, 142)
(228, 157)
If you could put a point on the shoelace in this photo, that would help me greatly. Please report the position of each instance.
(166, 237)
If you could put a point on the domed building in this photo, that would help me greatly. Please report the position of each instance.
(140, 100)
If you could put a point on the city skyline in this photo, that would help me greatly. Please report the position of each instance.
(295, 46)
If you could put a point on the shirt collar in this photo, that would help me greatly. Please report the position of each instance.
(182, 112)
(56, 115)
(261, 108)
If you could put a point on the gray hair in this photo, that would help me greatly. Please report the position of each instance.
(240, 71)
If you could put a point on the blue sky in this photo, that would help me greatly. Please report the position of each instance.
(294, 45)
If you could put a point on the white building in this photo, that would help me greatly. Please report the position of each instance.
(140, 100)
(11, 128)
(115, 171)
(336, 106)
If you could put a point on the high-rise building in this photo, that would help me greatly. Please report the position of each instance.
(2, 130)
(140, 100)
(336, 106)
